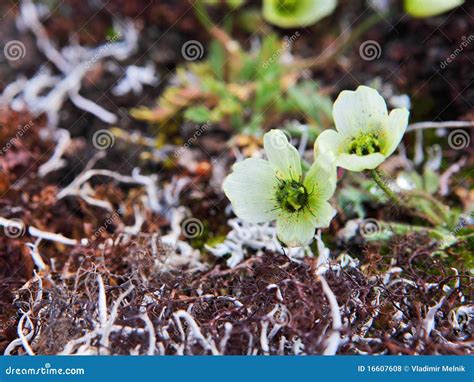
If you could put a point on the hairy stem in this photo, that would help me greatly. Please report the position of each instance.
(380, 182)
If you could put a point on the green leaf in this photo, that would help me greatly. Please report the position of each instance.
(217, 59)
(198, 114)
(305, 98)
(254, 127)
(265, 94)
(430, 181)
(352, 201)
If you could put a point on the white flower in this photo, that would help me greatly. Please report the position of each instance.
(366, 134)
(262, 191)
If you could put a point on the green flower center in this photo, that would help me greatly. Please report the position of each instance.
(365, 144)
(291, 195)
(287, 6)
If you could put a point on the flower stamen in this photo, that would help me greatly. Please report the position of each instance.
(291, 196)
(365, 144)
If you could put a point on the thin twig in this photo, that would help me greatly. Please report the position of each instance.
(439, 125)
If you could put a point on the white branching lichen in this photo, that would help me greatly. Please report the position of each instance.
(257, 237)
(73, 61)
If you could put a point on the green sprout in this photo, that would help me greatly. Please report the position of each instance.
(248, 93)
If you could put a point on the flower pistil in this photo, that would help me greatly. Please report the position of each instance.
(291, 196)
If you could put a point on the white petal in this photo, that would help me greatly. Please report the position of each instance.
(329, 141)
(321, 179)
(363, 110)
(322, 213)
(395, 127)
(250, 188)
(283, 156)
(354, 162)
(295, 230)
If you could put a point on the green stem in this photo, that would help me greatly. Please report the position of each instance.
(229, 44)
(202, 15)
(378, 179)
(234, 63)
(465, 237)
(405, 229)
